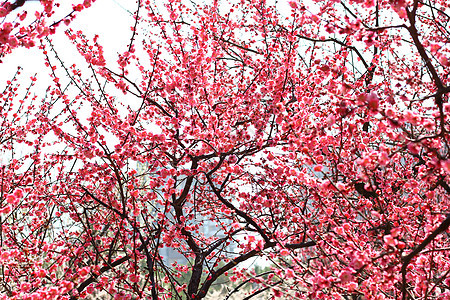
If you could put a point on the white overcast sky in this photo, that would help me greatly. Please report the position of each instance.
(110, 19)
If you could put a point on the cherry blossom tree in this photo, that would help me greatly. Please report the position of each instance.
(312, 135)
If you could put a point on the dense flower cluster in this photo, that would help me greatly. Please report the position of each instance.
(313, 135)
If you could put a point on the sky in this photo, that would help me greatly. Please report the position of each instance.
(108, 18)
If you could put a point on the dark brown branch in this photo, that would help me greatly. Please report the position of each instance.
(407, 259)
(256, 293)
(239, 212)
(17, 4)
(353, 48)
(238, 46)
(216, 274)
(102, 270)
(133, 36)
(103, 203)
(423, 53)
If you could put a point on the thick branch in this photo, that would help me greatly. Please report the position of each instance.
(423, 53)
(216, 274)
(94, 277)
(407, 259)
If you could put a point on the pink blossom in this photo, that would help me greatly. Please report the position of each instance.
(25, 287)
(293, 4)
(372, 101)
(346, 276)
(133, 278)
(289, 273)
(284, 252)
(389, 240)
